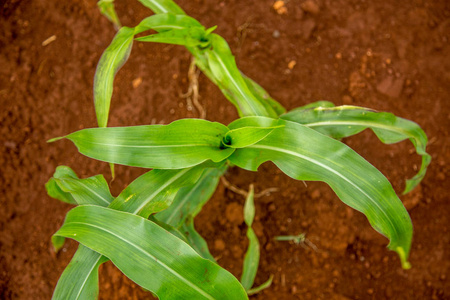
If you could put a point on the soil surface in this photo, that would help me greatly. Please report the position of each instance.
(387, 55)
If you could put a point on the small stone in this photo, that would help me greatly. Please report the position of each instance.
(279, 7)
(136, 82)
(276, 34)
(271, 207)
(311, 7)
(291, 64)
(338, 55)
(370, 291)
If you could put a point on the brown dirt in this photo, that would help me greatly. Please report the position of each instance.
(388, 55)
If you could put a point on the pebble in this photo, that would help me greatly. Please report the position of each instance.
(276, 34)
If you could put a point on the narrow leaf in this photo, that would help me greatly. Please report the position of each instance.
(162, 6)
(251, 259)
(92, 190)
(53, 189)
(263, 286)
(246, 136)
(223, 67)
(181, 144)
(155, 259)
(195, 240)
(272, 106)
(111, 61)
(154, 191)
(84, 265)
(305, 154)
(190, 199)
(107, 9)
(343, 121)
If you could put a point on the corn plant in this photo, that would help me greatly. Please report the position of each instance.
(148, 230)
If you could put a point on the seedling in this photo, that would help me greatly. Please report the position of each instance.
(148, 230)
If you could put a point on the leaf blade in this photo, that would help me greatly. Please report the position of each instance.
(343, 121)
(305, 154)
(91, 226)
(113, 58)
(181, 144)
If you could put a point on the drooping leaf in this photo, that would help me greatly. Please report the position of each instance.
(251, 258)
(79, 281)
(181, 144)
(195, 240)
(107, 9)
(111, 61)
(155, 259)
(305, 154)
(343, 121)
(190, 199)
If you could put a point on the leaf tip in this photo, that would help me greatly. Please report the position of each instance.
(403, 258)
(55, 139)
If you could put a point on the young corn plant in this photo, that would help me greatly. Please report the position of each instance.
(148, 230)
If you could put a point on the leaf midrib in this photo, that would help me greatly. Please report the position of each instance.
(329, 169)
(158, 261)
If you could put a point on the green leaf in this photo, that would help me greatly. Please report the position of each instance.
(162, 6)
(154, 191)
(111, 61)
(181, 144)
(223, 67)
(251, 259)
(80, 278)
(190, 199)
(154, 258)
(145, 192)
(305, 154)
(343, 121)
(92, 190)
(272, 106)
(195, 240)
(263, 286)
(53, 189)
(107, 9)
(246, 135)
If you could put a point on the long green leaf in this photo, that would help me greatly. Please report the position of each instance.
(251, 259)
(223, 67)
(264, 98)
(80, 278)
(154, 191)
(190, 199)
(343, 121)
(111, 61)
(305, 154)
(181, 144)
(155, 259)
